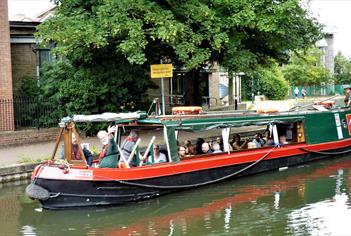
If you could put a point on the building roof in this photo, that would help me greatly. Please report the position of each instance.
(42, 16)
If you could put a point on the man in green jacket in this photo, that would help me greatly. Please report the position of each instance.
(109, 155)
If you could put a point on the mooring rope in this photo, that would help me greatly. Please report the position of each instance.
(198, 184)
(325, 153)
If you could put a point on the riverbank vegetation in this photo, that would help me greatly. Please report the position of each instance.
(108, 46)
(104, 49)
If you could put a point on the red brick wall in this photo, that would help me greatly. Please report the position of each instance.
(6, 120)
(5, 53)
(10, 138)
(23, 64)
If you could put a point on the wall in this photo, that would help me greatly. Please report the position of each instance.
(6, 118)
(23, 64)
(8, 138)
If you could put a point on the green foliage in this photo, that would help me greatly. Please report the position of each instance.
(342, 69)
(29, 87)
(96, 89)
(266, 81)
(33, 109)
(240, 34)
(306, 68)
(110, 44)
(25, 159)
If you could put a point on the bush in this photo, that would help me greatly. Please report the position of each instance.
(266, 81)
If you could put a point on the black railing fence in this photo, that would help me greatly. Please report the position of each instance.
(31, 112)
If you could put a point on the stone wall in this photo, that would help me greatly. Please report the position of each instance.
(10, 138)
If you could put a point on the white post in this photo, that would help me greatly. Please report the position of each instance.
(163, 97)
(123, 157)
(275, 134)
(133, 151)
(163, 94)
(225, 137)
(147, 150)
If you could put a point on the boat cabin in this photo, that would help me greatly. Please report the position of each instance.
(171, 132)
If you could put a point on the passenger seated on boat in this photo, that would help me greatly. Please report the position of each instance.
(206, 148)
(251, 145)
(189, 148)
(127, 147)
(181, 152)
(108, 157)
(282, 140)
(76, 155)
(198, 146)
(159, 157)
(237, 144)
(266, 136)
(258, 140)
(269, 143)
(216, 147)
(219, 140)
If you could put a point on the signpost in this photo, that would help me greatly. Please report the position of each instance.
(162, 71)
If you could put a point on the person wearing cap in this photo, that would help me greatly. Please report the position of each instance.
(347, 99)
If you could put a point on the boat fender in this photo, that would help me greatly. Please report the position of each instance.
(34, 191)
(65, 168)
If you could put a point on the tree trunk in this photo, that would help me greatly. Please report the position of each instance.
(230, 88)
(192, 94)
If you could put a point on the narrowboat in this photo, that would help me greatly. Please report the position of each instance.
(291, 138)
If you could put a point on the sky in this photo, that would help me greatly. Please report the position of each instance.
(28, 7)
(337, 13)
(331, 12)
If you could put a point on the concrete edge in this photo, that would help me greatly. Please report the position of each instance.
(16, 172)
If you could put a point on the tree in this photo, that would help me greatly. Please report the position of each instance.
(342, 69)
(239, 34)
(306, 68)
(268, 81)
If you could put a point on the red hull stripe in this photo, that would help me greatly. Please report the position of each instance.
(195, 164)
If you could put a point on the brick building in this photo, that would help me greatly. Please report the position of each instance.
(19, 58)
(24, 52)
(6, 91)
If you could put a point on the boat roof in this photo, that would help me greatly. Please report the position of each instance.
(206, 120)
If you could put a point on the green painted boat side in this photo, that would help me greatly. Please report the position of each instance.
(319, 126)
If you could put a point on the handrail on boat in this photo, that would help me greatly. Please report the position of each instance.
(143, 158)
(127, 161)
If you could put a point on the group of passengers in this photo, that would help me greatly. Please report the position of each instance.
(108, 157)
(236, 143)
(201, 147)
(259, 140)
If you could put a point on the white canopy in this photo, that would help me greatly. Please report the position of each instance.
(108, 116)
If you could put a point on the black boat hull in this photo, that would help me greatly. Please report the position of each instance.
(90, 193)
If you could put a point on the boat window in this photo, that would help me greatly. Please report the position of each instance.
(223, 140)
(152, 145)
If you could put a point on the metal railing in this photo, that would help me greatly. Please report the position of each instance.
(207, 101)
(30, 112)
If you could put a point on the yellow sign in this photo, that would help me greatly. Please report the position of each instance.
(161, 71)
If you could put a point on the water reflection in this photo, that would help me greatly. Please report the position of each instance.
(307, 200)
(328, 217)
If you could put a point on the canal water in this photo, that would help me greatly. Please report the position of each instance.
(313, 199)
